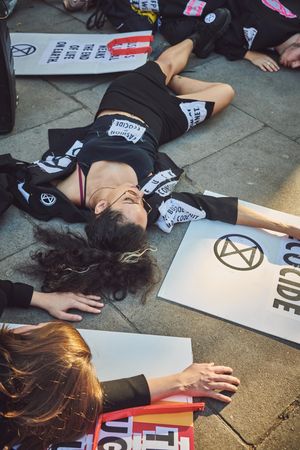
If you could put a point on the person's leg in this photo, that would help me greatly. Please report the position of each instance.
(220, 93)
(187, 88)
(175, 58)
(183, 85)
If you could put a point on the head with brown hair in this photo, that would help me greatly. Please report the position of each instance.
(49, 386)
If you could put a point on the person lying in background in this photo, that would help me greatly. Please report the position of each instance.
(56, 303)
(256, 27)
(49, 391)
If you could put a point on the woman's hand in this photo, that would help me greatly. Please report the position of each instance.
(58, 303)
(264, 62)
(247, 216)
(205, 380)
(197, 380)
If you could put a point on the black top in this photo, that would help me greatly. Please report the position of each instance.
(122, 139)
(14, 294)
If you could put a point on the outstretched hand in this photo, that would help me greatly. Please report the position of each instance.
(206, 380)
(264, 62)
(197, 380)
(58, 303)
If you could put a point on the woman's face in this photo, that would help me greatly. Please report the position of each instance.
(291, 55)
(26, 328)
(126, 199)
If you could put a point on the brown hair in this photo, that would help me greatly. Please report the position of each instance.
(49, 385)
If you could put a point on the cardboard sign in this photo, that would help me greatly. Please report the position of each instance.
(245, 275)
(118, 355)
(75, 54)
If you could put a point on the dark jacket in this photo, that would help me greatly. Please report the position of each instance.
(28, 186)
(14, 294)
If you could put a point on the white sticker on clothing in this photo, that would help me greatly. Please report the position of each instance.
(194, 111)
(146, 5)
(250, 34)
(165, 176)
(194, 8)
(21, 189)
(175, 211)
(210, 18)
(130, 131)
(54, 164)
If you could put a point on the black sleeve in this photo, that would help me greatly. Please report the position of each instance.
(233, 44)
(14, 294)
(125, 393)
(216, 208)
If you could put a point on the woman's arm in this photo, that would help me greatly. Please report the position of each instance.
(58, 303)
(14, 294)
(261, 60)
(251, 218)
(198, 380)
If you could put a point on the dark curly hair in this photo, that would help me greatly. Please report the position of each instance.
(113, 261)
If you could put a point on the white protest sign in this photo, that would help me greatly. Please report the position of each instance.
(76, 54)
(245, 275)
(119, 355)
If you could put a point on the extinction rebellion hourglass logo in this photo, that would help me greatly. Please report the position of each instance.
(238, 252)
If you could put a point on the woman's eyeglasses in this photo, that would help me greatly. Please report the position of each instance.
(133, 198)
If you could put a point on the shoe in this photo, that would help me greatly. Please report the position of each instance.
(211, 28)
(77, 5)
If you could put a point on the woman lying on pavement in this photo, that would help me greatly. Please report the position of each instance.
(56, 303)
(49, 392)
(111, 175)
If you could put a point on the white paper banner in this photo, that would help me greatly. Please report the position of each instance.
(245, 275)
(73, 54)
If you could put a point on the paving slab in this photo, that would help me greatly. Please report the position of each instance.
(262, 168)
(219, 132)
(16, 232)
(212, 432)
(49, 103)
(31, 16)
(73, 84)
(286, 436)
(90, 98)
(29, 145)
(269, 370)
(266, 96)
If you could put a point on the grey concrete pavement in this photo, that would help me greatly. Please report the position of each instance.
(251, 150)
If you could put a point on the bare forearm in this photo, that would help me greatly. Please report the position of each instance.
(261, 60)
(164, 387)
(251, 218)
(197, 380)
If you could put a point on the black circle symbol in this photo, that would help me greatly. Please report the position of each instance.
(19, 50)
(238, 252)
